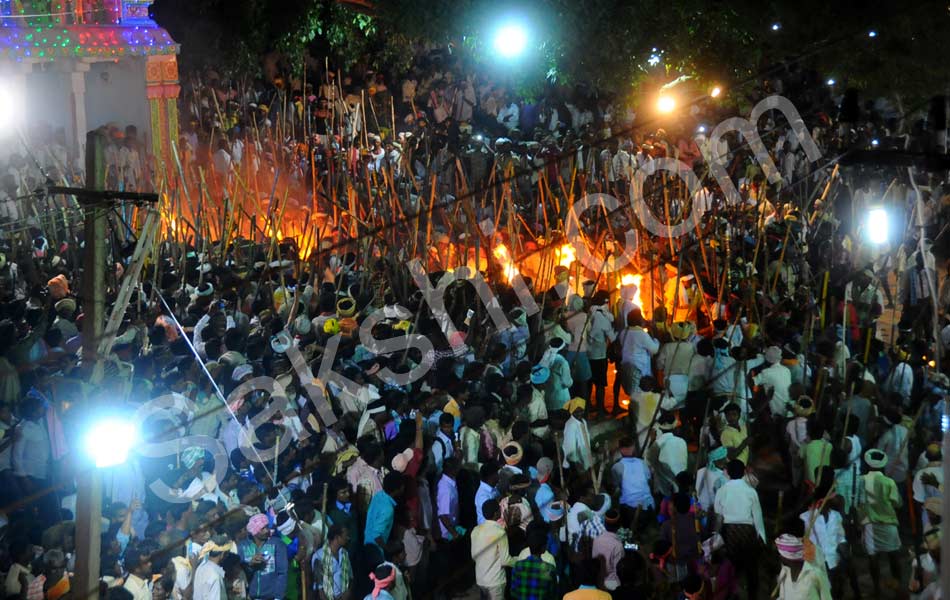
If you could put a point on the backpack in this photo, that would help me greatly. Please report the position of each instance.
(615, 349)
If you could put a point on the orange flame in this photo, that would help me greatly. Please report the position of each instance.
(565, 255)
(504, 257)
(306, 252)
(636, 280)
(272, 233)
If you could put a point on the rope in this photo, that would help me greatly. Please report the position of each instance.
(217, 389)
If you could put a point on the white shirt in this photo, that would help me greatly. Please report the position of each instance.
(31, 451)
(638, 347)
(737, 503)
(892, 443)
(578, 324)
(573, 519)
(708, 482)
(808, 586)
(777, 379)
(576, 444)
(198, 332)
(827, 533)
(900, 381)
(921, 491)
(237, 152)
(797, 432)
(233, 435)
(673, 452)
(138, 587)
(209, 582)
(508, 116)
(222, 161)
(538, 411)
(490, 553)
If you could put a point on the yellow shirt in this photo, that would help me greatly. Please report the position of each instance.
(452, 407)
(733, 438)
(587, 594)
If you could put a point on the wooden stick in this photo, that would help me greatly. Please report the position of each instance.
(778, 513)
(560, 461)
(598, 474)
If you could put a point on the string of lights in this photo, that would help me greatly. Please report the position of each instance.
(75, 41)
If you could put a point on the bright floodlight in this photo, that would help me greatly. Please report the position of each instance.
(109, 441)
(701, 129)
(875, 143)
(878, 226)
(830, 82)
(872, 34)
(666, 104)
(776, 26)
(715, 91)
(510, 41)
(9, 108)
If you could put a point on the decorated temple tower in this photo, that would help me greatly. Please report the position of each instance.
(68, 66)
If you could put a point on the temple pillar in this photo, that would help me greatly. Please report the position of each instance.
(162, 89)
(77, 107)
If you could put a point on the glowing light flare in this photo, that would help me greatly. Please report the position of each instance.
(508, 266)
(10, 107)
(109, 441)
(877, 226)
(511, 40)
(715, 92)
(666, 104)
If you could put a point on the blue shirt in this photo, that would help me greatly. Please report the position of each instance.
(543, 498)
(270, 579)
(633, 476)
(484, 494)
(379, 518)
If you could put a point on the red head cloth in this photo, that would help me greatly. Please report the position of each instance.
(257, 523)
(382, 584)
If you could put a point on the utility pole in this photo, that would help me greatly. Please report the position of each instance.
(89, 490)
(95, 202)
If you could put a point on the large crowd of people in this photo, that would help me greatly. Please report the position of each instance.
(760, 411)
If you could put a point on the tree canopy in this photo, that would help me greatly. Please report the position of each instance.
(609, 44)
